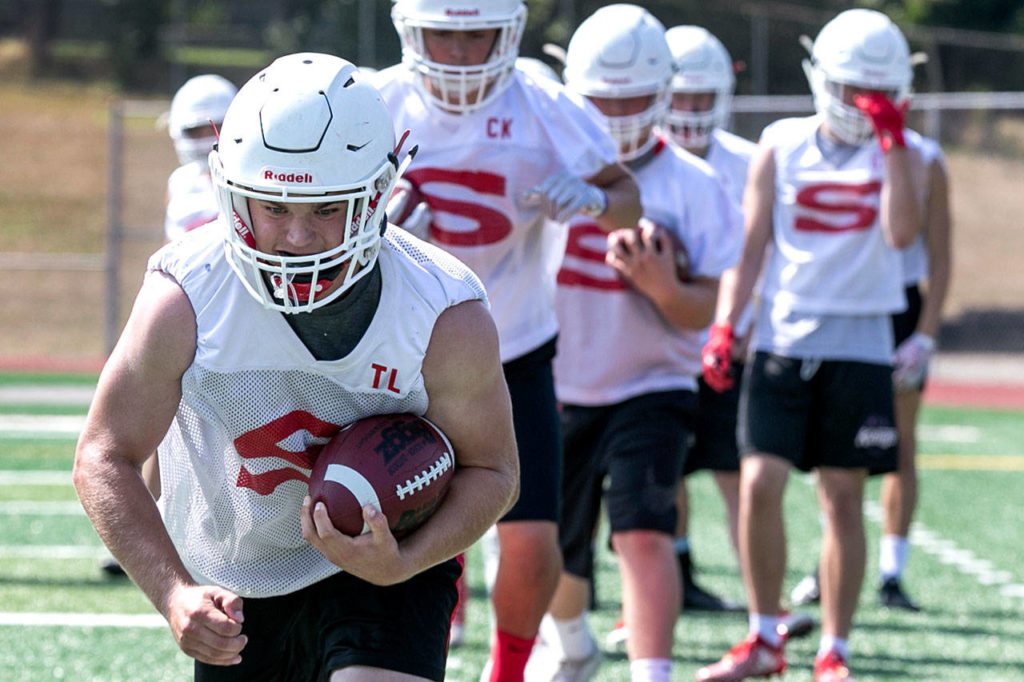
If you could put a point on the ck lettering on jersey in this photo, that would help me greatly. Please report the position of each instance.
(849, 206)
(499, 128)
(384, 377)
(265, 442)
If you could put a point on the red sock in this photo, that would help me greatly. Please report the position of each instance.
(510, 654)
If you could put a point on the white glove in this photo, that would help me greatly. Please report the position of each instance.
(910, 362)
(563, 195)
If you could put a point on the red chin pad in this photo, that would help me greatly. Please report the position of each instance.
(302, 289)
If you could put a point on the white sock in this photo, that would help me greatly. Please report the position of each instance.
(767, 627)
(892, 555)
(650, 670)
(837, 644)
(575, 637)
(681, 544)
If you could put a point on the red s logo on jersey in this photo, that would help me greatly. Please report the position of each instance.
(490, 225)
(845, 201)
(577, 248)
(264, 442)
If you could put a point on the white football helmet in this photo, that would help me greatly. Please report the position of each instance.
(617, 52)
(702, 65)
(859, 47)
(197, 103)
(305, 129)
(461, 88)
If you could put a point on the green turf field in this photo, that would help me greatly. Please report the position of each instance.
(60, 618)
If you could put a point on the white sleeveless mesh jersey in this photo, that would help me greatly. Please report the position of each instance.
(191, 201)
(829, 255)
(256, 407)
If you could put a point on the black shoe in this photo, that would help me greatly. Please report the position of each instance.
(891, 595)
(695, 598)
(112, 568)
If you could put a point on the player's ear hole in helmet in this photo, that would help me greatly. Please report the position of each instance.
(304, 131)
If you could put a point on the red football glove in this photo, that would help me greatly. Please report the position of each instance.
(886, 119)
(716, 358)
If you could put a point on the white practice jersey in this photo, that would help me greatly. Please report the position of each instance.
(614, 344)
(730, 156)
(191, 200)
(828, 256)
(915, 256)
(475, 169)
(256, 407)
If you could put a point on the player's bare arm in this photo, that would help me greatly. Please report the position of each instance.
(758, 205)
(469, 402)
(135, 402)
(937, 226)
(620, 188)
(646, 259)
(901, 212)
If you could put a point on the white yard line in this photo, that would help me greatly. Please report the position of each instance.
(34, 477)
(83, 620)
(37, 508)
(55, 552)
(40, 426)
(41, 394)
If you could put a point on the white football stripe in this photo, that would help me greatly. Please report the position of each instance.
(356, 484)
(109, 620)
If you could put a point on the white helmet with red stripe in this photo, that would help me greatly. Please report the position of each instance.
(703, 65)
(455, 87)
(862, 48)
(306, 129)
(197, 104)
(620, 52)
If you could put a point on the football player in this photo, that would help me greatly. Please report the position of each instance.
(834, 195)
(631, 308)
(255, 339)
(702, 89)
(505, 160)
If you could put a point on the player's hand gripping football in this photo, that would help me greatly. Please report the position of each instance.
(563, 195)
(648, 259)
(716, 358)
(374, 556)
(887, 120)
(910, 362)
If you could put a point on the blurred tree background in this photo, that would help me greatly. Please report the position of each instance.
(152, 46)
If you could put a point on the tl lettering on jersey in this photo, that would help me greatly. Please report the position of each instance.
(499, 128)
(264, 442)
(851, 206)
(380, 371)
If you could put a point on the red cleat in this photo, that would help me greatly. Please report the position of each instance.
(831, 667)
(753, 657)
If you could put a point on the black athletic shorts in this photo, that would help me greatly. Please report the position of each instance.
(714, 443)
(814, 413)
(531, 386)
(904, 324)
(342, 621)
(637, 445)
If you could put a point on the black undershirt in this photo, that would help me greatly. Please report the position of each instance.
(332, 331)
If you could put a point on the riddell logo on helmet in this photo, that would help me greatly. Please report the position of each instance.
(298, 177)
(449, 12)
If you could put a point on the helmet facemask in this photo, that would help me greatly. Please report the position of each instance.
(305, 131)
(456, 88)
(620, 52)
(201, 102)
(860, 48)
(702, 65)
